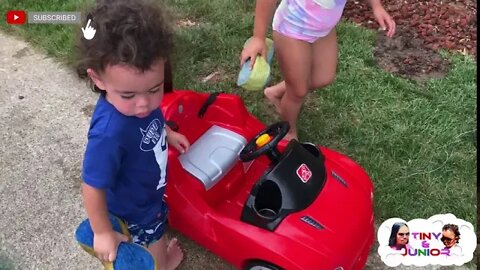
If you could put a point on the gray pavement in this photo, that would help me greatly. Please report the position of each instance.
(42, 133)
(44, 116)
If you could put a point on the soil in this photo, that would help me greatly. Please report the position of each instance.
(406, 55)
(423, 27)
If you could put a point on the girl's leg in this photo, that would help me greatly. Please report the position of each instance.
(167, 255)
(295, 60)
(324, 68)
(275, 93)
(325, 59)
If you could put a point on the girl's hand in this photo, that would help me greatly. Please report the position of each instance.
(384, 20)
(106, 244)
(254, 47)
(177, 140)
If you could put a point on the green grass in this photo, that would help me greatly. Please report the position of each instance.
(5, 262)
(55, 39)
(415, 141)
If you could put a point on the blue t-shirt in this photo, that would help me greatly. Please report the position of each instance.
(127, 157)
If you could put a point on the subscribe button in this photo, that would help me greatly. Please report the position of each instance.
(16, 17)
(20, 17)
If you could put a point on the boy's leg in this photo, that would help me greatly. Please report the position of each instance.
(168, 255)
(295, 60)
(325, 59)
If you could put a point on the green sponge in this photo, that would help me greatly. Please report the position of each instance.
(258, 77)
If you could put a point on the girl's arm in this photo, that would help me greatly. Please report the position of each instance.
(263, 17)
(264, 10)
(375, 4)
(383, 18)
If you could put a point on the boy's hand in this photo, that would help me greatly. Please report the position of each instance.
(177, 140)
(384, 20)
(106, 245)
(254, 47)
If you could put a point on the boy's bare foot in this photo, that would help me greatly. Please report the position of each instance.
(274, 95)
(174, 254)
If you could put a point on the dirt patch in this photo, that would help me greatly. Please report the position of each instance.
(88, 110)
(408, 56)
(21, 53)
(184, 23)
(213, 77)
(450, 25)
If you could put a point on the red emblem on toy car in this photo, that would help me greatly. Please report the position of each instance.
(304, 173)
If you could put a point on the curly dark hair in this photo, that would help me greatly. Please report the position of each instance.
(132, 32)
(454, 229)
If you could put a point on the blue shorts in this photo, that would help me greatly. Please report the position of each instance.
(147, 234)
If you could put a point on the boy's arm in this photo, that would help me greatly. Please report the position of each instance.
(105, 239)
(96, 206)
(177, 140)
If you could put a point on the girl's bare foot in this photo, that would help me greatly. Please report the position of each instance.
(291, 136)
(174, 254)
(274, 95)
(275, 100)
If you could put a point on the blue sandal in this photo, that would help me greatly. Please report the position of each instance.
(130, 256)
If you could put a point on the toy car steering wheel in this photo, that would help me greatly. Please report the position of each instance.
(265, 143)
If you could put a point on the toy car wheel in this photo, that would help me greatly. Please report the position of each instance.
(259, 265)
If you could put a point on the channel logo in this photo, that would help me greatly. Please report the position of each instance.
(440, 240)
(16, 17)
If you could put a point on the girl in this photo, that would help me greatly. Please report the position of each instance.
(306, 45)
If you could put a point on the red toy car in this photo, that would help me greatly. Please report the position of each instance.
(258, 201)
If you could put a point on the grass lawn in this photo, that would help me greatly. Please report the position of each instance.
(417, 142)
(5, 262)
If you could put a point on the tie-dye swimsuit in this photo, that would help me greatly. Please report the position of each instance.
(307, 20)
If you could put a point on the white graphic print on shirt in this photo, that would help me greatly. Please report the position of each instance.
(154, 138)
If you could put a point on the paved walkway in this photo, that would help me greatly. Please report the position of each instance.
(44, 115)
(43, 120)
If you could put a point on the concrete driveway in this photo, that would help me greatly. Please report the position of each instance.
(44, 116)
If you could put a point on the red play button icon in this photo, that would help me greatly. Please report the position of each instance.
(16, 17)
